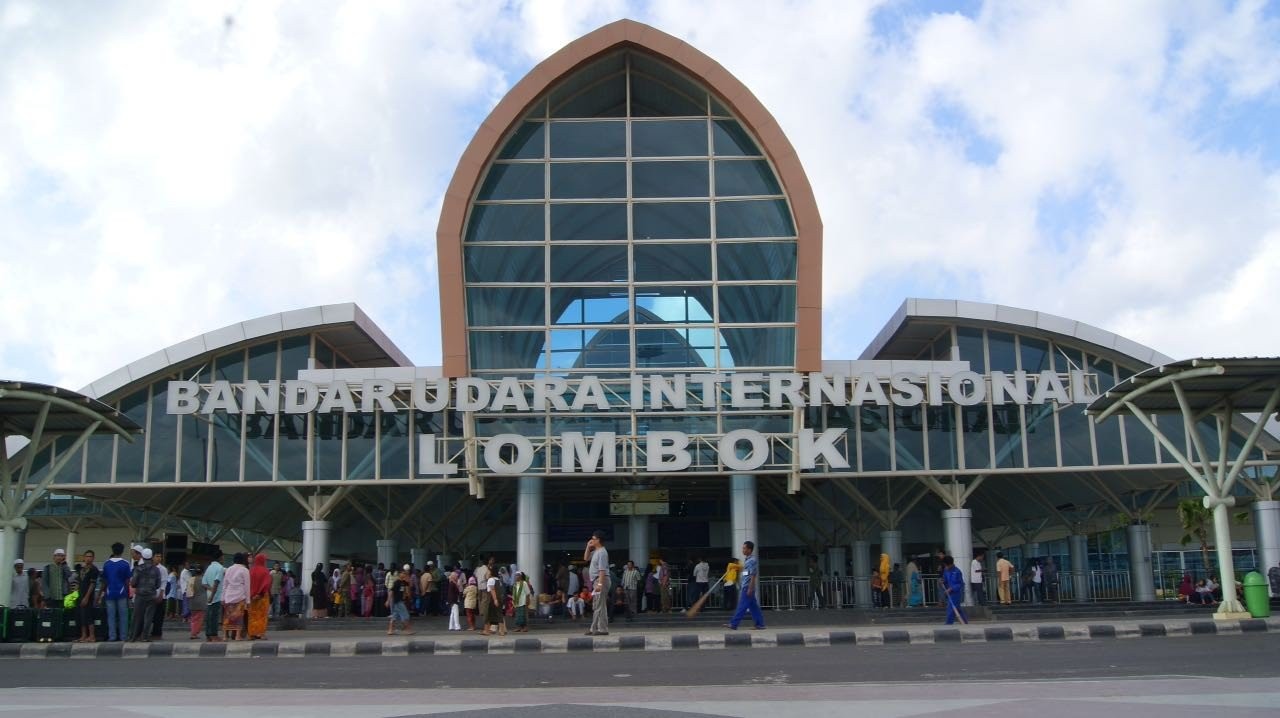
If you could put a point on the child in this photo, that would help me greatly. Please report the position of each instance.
(470, 599)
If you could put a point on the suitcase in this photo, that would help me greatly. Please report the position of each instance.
(49, 625)
(19, 625)
(71, 624)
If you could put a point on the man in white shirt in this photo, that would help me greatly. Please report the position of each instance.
(598, 558)
(701, 580)
(976, 586)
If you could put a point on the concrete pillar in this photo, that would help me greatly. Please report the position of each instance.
(836, 565)
(1226, 567)
(638, 548)
(444, 560)
(315, 549)
(1141, 582)
(1078, 547)
(862, 574)
(1266, 531)
(386, 554)
(891, 543)
(529, 527)
(1029, 551)
(8, 553)
(742, 511)
(21, 551)
(957, 525)
(72, 557)
(418, 557)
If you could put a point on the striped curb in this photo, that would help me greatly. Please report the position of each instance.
(661, 642)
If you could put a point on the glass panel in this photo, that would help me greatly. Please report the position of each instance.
(908, 434)
(1107, 434)
(664, 96)
(588, 222)
(1077, 449)
(503, 264)
(675, 348)
(1004, 355)
(875, 437)
(590, 348)
(361, 446)
(745, 178)
(506, 223)
(588, 180)
(676, 305)
(394, 453)
(585, 305)
(598, 90)
(163, 437)
(262, 362)
(1172, 426)
(101, 448)
(505, 306)
(588, 263)
(294, 353)
(670, 179)
(230, 367)
(977, 435)
(740, 261)
(506, 350)
(527, 143)
(130, 456)
(588, 139)
(686, 262)
(772, 347)
(1008, 428)
(520, 181)
(672, 220)
(1041, 441)
(942, 437)
(970, 342)
(259, 446)
(760, 303)
(324, 356)
(669, 138)
(1035, 355)
(292, 464)
(1139, 442)
(730, 140)
(754, 218)
(225, 430)
(327, 447)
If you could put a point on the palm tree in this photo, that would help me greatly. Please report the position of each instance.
(1197, 522)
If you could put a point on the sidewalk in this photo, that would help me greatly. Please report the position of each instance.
(562, 637)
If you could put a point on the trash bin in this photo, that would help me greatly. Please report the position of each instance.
(1255, 595)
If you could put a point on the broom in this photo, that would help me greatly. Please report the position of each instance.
(697, 605)
(959, 616)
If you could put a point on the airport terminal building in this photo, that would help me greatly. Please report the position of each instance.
(630, 272)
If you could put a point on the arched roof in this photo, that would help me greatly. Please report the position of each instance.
(353, 331)
(896, 330)
(627, 33)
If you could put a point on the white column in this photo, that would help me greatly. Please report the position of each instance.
(1141, 581)
(8, 552)
(1266, 531)
(418, 557)
(1078, 546)
(638, 548)
(386, 554)
(72, 558)
(529, 528)
(957, 524)
(742, 511)
(315, 549)
(1226, 567)
(862, 574)
(891, 543)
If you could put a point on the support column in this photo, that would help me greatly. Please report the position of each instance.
(529, 527)
(443, 560)
(862, 574)
(638, 548)
(386, 554)
(957, 525)
(891, 543)
(1029, 551)
(72, 557)
(1230, 606)
(836, 565)
(1266, 531)
(1141, 582)
(742, 510)
(1078, 547)
(9, 550)
(315, 549)
(418, 557)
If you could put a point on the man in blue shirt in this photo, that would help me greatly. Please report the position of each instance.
(748, 598)
(212, 582)
(115, 577)
(953, 585)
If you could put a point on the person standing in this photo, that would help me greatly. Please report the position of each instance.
(116, 573)
(19, 584)
(482, 575)
(212, 584)
(664, 585)
(749, 598)
(520, 593)
(977, 586)
(1004, 572)
(235, 597)
(598, 564)
(1037, 581)
(146, 588)
(57, 578)
(953, 587)
(89, 580)
(1050, 580)
(259, 597)
(731, 571)
(701, 579)
(631, 587)
(399, 613)
(197, 602)
(319, 592)
(428, 590)
(493, 607)
(162, 574)
(914, 597)
(815, 583)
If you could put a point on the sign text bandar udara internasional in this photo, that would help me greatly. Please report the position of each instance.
(666, 451)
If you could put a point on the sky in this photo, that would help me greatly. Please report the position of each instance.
(167, 169)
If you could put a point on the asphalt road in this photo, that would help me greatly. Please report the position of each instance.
(1240, 656)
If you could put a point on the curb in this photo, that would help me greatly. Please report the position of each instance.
(665, 642)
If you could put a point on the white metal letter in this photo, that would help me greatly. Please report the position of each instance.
(577, 450)
(493, 454)
(667, 451)
(824, 446)
(183, 398)
(751, 460)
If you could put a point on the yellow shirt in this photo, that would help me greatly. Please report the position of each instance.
(1004, 568)
(731, 574)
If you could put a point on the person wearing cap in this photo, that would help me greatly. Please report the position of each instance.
(19, 584)
(57, 578)
(146, 587)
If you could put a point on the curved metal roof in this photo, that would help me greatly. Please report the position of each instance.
(22, 401)
(351, 330)
(1206, 385)
(1020, 320)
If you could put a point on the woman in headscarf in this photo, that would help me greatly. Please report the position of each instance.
(884, 579)
(319, 593)
(915, 586)
(259, 597)
(470, 598)
(366, 595)
(1186, 589)
(235, 597)
(342, 594)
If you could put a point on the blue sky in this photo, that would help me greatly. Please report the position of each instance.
(167, 170)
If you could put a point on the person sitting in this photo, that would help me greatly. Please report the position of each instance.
(576, 605)
(1186, 589)
(618, 603)
(1203, 595)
